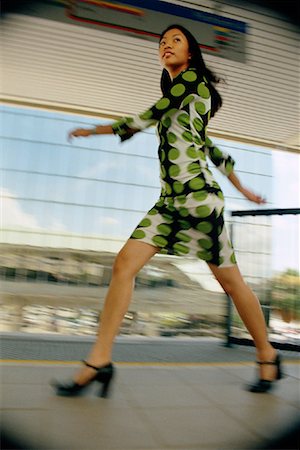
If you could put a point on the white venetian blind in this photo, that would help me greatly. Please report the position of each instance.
(59, 65)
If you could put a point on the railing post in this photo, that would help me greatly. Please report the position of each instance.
(228, 321)
(229, 304)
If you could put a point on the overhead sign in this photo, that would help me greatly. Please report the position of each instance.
(217, 35)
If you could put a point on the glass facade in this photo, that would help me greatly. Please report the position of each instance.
(67, 208)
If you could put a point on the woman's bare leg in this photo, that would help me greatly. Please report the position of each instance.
(250, 312)
(130, 260)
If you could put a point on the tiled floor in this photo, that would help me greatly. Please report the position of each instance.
(153, 406)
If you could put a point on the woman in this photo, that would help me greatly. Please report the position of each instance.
(188, 217)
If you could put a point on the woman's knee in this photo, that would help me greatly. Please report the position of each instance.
(122, 267)
(229, 278)
(228, 286)
(234, 287)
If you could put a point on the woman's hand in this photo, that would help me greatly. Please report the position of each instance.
(79, 132)
(248, 194)
(253, 197)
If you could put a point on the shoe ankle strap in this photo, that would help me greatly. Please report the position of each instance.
(96, 368)
(273, 363)
(89, 365)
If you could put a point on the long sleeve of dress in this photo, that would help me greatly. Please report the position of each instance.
(184, 84)
(222, 160)
(126, 127)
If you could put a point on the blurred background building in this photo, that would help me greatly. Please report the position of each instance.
(67, 208)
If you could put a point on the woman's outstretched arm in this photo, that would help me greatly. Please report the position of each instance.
(246, 192)
(85, 132)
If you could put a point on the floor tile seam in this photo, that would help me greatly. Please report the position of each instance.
(233, 378)
(198, 387)
(133, 404)
(207, 398)
(136, 404)
(23, 409)
(212, 445)
(154, 431)
(179, 405)
(293, 405)
(288, 375)
(168, 408)
(244, 424)
(289, 402)
(243, 386)
(223, 405)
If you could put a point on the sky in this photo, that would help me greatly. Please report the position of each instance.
(286, 192)
(92, 193)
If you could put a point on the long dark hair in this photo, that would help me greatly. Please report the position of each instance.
(198, 63)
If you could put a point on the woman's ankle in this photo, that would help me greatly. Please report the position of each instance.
(266, 354)
(99, 361)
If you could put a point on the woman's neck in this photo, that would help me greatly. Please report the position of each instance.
(174, 71)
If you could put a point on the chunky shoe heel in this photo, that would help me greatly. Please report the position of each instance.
(261, 385)
(103, 375)
(105, 390)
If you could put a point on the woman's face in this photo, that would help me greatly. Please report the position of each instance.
(174, 51)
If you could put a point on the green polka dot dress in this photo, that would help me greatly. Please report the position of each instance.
(188, 217)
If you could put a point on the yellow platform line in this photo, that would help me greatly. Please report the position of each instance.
(139, 364)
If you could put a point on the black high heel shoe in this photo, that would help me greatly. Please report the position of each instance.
(261, 385)
(103, 375)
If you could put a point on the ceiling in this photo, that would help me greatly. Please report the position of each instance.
(288, 9)
(88, 70)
